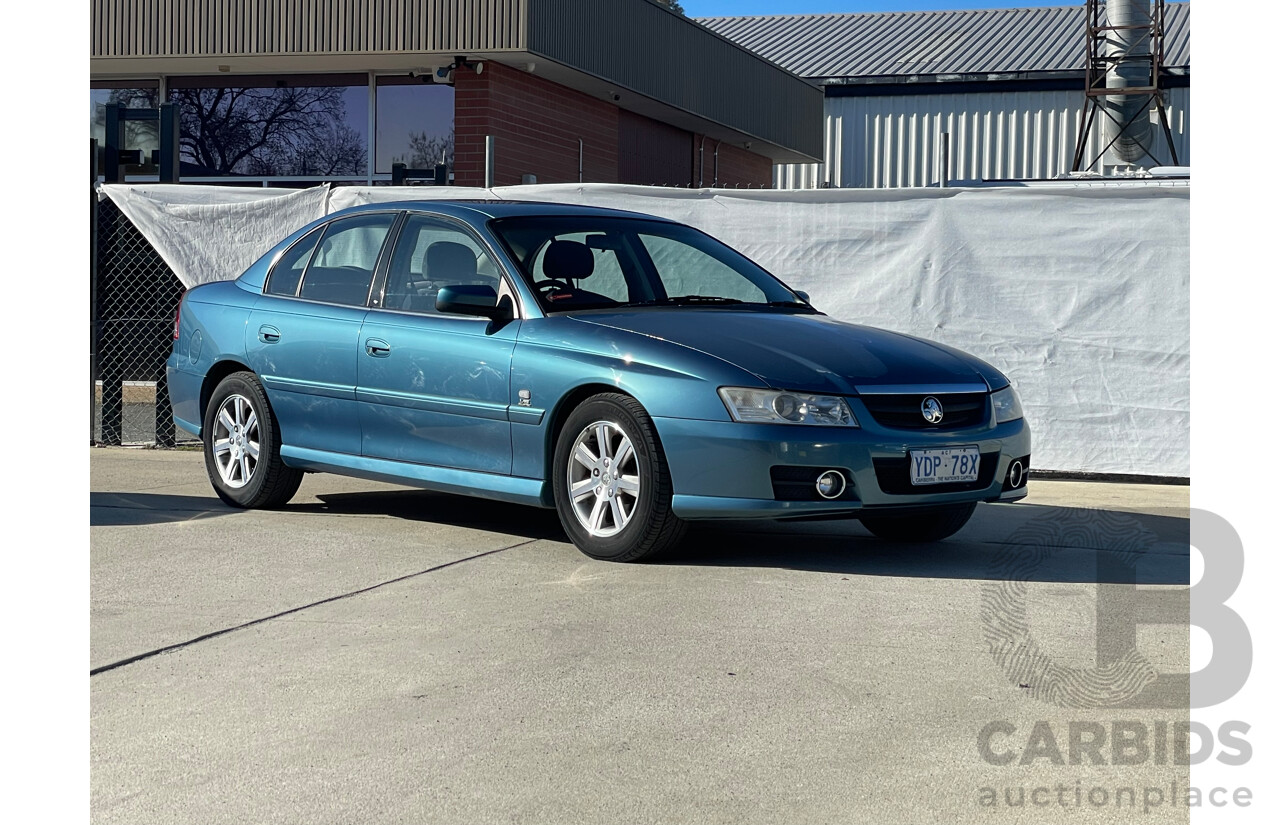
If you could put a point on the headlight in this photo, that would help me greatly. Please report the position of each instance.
(781, 407)
(1008, 406)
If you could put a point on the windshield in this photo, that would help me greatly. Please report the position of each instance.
(579, 262)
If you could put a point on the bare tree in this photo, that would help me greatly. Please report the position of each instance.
(341, 152)
(274, 131)
(425, 150)
(269, 131)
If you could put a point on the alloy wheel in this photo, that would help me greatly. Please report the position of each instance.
(236, 441)
(603, 479)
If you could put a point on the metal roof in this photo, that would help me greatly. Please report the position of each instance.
(891, 44)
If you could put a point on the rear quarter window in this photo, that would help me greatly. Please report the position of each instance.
(287, 271)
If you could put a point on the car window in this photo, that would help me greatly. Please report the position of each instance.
(584, 262)
(606, 277)
(287, 271)
(341, 269)
(687, 270)
(430, 254)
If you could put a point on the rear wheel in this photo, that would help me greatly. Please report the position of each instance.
(611, 482)
(242, 446)
(934, 525)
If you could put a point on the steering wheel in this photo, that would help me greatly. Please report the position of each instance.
(552, 283)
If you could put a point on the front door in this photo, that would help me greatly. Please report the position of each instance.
(435, 389)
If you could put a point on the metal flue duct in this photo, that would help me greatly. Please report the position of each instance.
(1128, 49)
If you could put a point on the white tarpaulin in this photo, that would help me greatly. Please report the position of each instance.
(213, 233)
(1080, 294)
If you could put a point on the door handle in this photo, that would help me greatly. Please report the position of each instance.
(268, 334)
(377, 348)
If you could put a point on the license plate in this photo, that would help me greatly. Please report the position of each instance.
(948, 465)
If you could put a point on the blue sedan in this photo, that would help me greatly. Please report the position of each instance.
(632, 372)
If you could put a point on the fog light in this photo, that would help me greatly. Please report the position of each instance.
(1016, 474)
(831, 484)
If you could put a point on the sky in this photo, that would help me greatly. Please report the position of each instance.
(735, 8)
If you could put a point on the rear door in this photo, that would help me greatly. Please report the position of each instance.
(435, 389)
(303, 336)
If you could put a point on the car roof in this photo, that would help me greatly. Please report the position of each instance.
(498, 209)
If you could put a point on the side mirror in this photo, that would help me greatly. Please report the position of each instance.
(804, 296)
(470, 299)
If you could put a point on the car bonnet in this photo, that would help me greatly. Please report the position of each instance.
(803, 352)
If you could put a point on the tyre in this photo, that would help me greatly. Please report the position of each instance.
(934, 525)
(611, 482)
(242, 446)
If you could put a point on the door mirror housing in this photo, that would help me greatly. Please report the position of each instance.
(471, 299)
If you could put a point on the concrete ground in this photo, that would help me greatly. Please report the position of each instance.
(378, 654)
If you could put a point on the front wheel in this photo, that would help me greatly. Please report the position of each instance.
(934, 525)
(242, 446)
(611, 482)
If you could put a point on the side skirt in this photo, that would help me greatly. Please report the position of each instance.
(530, 491)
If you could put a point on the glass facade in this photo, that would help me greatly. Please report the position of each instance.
(414, 124)
(275, 128)
(140, 135)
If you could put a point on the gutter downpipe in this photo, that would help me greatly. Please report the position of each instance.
(701, 148)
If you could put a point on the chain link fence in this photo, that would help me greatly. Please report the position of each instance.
(134, 297)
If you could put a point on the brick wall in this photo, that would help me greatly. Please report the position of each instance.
(738, 166)
(651, 153)
(536, 125)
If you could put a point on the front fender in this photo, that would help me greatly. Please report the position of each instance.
(558, 361)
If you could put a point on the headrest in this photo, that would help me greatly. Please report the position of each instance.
(568, 259)
(449, 261)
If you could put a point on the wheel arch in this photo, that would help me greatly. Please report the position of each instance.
(214, 377)
(561, 412)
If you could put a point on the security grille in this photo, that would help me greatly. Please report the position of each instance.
(135, 295)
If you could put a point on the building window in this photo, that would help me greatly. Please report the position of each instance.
(415, 124)
(141, 135)
(273, 126)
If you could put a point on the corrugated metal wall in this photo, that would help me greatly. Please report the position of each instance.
(892, 141)
(646, 48)
(137, 28)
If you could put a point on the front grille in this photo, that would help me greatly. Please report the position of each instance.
(797, 484)
(902, 412)
(894, 477)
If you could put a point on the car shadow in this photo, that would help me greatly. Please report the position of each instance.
(108, 509)
(1003, 542)
(516, 520)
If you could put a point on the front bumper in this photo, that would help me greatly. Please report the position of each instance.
(722, 469)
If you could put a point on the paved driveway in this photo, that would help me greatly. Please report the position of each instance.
(378, 654)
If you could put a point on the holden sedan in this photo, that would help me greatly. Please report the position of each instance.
(632, 372)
